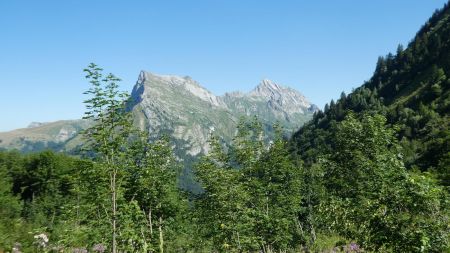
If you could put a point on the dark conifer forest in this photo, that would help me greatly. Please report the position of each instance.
(369, 173)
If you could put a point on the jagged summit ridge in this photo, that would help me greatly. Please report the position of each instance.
(276, 95)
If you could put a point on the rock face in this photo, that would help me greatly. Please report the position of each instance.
(282, 98)
(181, 107)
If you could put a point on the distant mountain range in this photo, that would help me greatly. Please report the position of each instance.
(183, 109)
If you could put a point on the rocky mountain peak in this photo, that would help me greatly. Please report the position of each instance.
(269, 84)
(151, 81)
(266, 88)
(281, 97)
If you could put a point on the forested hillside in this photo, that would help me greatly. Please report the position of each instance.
(412, 90)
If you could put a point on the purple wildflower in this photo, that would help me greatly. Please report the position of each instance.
(354, 247)
(79, 250)
(99, 248)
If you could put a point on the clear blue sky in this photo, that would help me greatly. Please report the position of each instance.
(318, 47)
